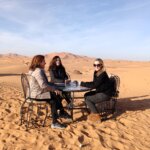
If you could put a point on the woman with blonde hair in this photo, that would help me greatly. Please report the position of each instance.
(103, 90)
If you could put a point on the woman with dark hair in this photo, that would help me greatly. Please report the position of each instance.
(103, 89)
(58, 74)
(40, 88)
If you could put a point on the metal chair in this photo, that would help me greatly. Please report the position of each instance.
(108, 108)
(28, 113)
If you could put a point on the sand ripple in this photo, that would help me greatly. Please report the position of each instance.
(130, 130)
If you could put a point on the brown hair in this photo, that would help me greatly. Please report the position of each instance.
(36, 61)
(53, 63)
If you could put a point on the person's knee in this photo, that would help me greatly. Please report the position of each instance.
(86, 96)
(87, 99)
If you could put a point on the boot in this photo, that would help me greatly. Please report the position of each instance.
(94, 117)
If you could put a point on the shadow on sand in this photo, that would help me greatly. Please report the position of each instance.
(132, 104)
(9, 74)
(138, 103)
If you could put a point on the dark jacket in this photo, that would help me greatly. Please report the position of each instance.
(101, 83)
(58, 75)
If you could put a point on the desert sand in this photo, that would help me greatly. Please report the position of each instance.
(128, 130)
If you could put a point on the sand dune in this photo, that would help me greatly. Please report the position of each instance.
(129, 131)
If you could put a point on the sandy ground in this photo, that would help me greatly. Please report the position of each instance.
(128, 130)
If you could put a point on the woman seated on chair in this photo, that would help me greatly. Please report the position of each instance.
(102, 92)
(41, 90)
(58, 75)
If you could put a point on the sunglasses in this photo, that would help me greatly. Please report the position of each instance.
(97, 65)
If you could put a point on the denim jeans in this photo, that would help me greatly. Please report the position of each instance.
(91, 98)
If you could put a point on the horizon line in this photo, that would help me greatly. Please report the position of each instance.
(113, 59)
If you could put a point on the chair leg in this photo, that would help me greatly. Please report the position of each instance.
(46, 115)
(107, 108)
(39, 108)
(29, 113)
(114, 102)
(22, 112)
(27, 116)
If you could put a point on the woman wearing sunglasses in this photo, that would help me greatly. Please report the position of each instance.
(102, 92)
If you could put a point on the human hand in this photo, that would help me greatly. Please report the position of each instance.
(67, 82)
(58, 92)
(79, 83)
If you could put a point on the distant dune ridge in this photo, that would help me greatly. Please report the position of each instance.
(130, 130)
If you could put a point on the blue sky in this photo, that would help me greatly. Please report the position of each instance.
(110, 29)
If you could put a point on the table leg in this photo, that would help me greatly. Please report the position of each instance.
(72, 105)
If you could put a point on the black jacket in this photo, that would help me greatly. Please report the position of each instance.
(101, 83)
(58, 75)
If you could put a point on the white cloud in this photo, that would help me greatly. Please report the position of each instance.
(33, 26)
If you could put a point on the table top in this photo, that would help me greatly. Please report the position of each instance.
(60, 84)
(74, 88)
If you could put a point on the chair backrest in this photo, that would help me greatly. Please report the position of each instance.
(115, 83)
(25, 85)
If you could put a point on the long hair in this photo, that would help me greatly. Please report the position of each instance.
(53, 63)
(102, 66)
(36, 61)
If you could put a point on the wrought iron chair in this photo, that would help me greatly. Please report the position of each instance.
(108, 108)
(28, 114)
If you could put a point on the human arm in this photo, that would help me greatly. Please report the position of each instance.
(41, 78)
(97, 81)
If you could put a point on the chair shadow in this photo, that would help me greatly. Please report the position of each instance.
(132, 104)
(84, 113)
(82, 118)
(124, 104)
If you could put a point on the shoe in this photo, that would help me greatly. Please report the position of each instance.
(65, 115)
(57, 116)
(94, 117)
(57, 125)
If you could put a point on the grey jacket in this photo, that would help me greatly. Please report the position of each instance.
(38, 84)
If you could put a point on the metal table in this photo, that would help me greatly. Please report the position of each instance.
(72, 89)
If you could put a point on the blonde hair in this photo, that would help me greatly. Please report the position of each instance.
(100, 61)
